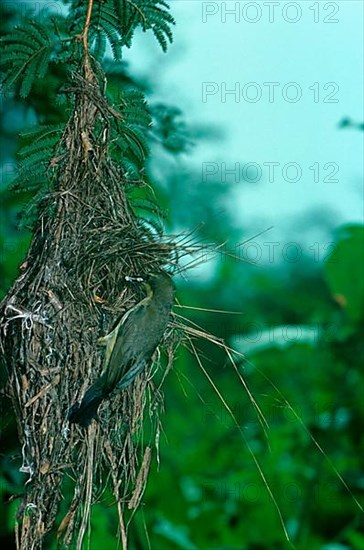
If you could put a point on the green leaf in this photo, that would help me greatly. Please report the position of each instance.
(344, 270)
(27, 53)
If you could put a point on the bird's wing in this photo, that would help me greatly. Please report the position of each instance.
(109, 339)
(125, 349)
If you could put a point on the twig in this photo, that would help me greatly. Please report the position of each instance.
(88, 71)
(43, 391)
(141, 480)
(89, 482)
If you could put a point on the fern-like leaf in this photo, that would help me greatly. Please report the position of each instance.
(34, 157)
(26, 55)
(119, 19)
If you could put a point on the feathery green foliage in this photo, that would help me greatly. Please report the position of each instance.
(52, 45)
(26, 55)
(114, 22)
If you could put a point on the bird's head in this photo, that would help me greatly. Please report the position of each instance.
(154, 283)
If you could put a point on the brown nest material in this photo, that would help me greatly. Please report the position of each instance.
(70, 292)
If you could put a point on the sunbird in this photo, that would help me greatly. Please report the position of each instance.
(130, 345)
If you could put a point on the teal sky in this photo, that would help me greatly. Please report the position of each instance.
(326, 56)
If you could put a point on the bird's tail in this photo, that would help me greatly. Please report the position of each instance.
(83, 413)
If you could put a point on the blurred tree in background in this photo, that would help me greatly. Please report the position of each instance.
(300, 328)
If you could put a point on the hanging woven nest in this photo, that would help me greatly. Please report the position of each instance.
(71, 290)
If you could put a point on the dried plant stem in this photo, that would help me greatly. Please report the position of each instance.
(91, 434)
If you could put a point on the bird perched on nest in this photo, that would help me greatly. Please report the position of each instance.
(130, 345)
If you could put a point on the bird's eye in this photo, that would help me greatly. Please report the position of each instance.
(132, 279)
